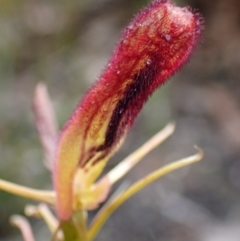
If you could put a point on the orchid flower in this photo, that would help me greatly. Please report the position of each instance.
(157, 42)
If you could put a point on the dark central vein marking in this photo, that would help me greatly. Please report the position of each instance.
(137, 90)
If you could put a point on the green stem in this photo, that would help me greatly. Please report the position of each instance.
(75, 228)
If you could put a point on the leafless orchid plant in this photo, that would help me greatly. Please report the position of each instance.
(153, 47)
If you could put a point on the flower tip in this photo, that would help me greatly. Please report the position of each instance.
(200, 153)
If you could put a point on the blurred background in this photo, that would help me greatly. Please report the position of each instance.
(65, 44)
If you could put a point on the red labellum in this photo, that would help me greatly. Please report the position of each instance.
(154, 46)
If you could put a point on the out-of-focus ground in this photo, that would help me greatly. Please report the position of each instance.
(66, 44)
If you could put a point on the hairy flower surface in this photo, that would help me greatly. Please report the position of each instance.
(154, 46)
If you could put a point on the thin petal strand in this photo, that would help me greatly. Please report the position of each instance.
(101, 217)
(24, 227)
